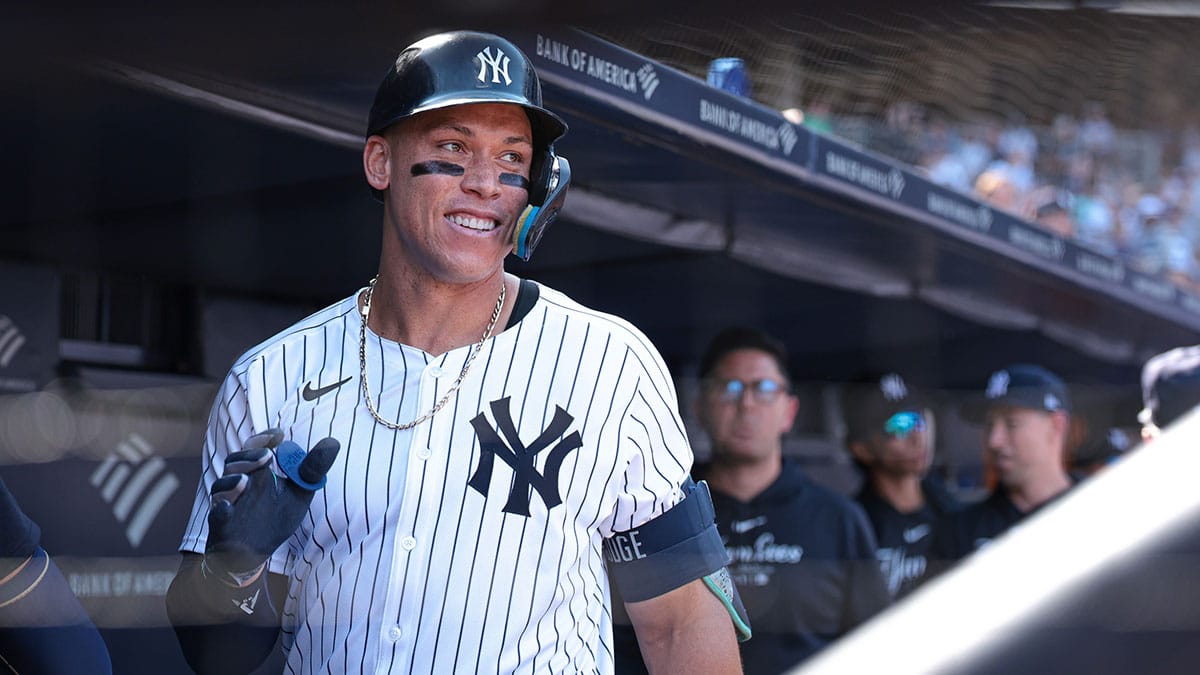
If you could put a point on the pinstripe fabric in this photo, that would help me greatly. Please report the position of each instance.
(401, 566)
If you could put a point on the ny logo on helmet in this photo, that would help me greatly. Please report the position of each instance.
(499, 64)
(998, 384)
(892, 387)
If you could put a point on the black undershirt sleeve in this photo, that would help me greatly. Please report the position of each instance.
(222, 629)
(527, 297)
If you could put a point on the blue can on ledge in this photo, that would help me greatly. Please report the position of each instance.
(729, 73)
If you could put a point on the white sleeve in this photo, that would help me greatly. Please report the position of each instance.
(653, 438)
(229, 425)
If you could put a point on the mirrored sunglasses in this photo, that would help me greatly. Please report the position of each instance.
(903, 424)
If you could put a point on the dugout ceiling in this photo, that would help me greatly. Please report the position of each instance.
(219, 151)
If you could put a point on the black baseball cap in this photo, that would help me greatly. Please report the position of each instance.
(1022, 385)
(872, 399)
(1170, 385)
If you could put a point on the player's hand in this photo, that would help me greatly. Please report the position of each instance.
(254, 510)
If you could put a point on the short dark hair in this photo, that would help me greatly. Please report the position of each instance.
(741, 337)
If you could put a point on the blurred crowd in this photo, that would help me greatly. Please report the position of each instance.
(1130, 194)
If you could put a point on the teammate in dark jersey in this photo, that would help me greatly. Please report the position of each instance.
(43, 628)
(803, 556)
(1025, 413)
(887, 433)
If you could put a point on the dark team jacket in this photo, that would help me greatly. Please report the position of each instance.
(960, 534)
(804, 564)
(904, 539)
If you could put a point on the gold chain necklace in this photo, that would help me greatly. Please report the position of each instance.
(362, 360)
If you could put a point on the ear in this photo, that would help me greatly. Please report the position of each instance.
(377, 162)
(859, 451)
(1060, 423)
(1149, 433)
(788, 420)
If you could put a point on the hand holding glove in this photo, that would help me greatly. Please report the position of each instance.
(254, 511)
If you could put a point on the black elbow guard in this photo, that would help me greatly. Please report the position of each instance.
(677, 547)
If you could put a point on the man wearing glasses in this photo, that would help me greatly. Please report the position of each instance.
(888, 435)
(803, 555)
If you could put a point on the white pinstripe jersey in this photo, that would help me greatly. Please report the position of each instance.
(403, 564)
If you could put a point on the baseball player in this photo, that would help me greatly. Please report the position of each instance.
(1170, 389)
(481, 447)
(1025, 413)
(43, 628)
(887, 434)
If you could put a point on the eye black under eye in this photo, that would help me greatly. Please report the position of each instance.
(515, 180)
(437, 167)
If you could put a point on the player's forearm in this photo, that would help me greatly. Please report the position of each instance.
(706, 646)
(686, 631)
(696, 654)
(221, 629)
(43, 628)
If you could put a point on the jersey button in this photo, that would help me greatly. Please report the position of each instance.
(393, 633)
(436, 371)
(424, 453)
(408, 544)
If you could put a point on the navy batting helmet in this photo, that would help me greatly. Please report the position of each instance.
(466, 67)
(460, 68)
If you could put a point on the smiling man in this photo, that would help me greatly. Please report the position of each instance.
(398, 542)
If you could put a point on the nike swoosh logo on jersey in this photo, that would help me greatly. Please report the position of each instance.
(914, 534)
(742, 526)
(311, 394)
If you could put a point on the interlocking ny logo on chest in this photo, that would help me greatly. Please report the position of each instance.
(520, 457)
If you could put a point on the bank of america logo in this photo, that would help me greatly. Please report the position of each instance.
(896, 183)
(788, 137)
(11, 340)
(647, 77)
(137, 485)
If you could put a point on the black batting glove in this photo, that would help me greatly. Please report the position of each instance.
(254, 511)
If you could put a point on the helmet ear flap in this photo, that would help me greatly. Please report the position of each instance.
(549, 178)
(540, 170)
